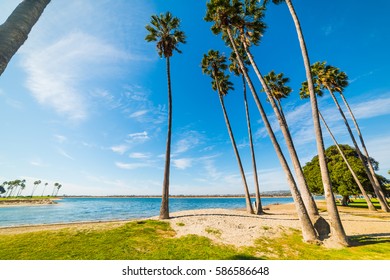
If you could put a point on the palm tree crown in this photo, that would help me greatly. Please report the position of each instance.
(214, 64)
(277, 84)
(164, 30)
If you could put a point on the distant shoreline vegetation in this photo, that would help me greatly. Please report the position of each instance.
(21, 201)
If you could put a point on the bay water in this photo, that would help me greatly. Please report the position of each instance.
(70, 210)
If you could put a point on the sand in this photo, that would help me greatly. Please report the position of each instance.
(236, 227)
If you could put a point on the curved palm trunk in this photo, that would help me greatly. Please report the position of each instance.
(361, 188)
(249, 208)
(337, 228)
(320, 223)
(363, 144)
(376, 187)
(164, 209)
(14, 31)
(308, 231)
(306, 195)
(259, 208)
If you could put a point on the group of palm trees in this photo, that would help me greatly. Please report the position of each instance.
(240, 23)
(14, 188)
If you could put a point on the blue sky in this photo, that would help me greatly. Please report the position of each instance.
(84, 100)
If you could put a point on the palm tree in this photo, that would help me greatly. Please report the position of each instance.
(234, 67)
(44, 188)
(59, 186)
(214, 64)
(277, 85)
(223, 14)
(331, 78)
(248, 22)
(371, 168)
(22, 185)
(164, 30)
(36, 184)
(14, 31)
(355, 177)
(334, 217)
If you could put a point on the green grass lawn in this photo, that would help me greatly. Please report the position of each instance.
(153, 240)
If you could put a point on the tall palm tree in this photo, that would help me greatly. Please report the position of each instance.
(214, 64)
(223, 14)
(334, 80)
(59, 186)
(164, 29)
(334, 217)
(249, 24)
(355, 177)
(234, 67)
(44, 188)
(371, 168)
(14, 31)
(36, 184)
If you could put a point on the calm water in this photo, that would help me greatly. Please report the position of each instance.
(103, 209)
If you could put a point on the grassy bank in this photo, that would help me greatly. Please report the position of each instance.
(150, 239)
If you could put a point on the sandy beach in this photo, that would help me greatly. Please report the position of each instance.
(236, 227)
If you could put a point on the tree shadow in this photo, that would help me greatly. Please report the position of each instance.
(368, 239)
(244, 257)
(262, 216)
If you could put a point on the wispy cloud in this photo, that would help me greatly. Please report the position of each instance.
(372, 108)
(119, 149)
(54, 73)
(64, 154)
(131, 166)
(182, 163)
(138, 137)
(141, 108)
(60, 138)
(64, 53)
(188, 140)
(140, 155)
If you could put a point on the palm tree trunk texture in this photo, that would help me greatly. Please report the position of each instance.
(361, 188)
(164, 210)
(249, 207)
(308, 231)
(14, 31)
(363, 144)
(376, 187)
(259, 208)
(337, 228)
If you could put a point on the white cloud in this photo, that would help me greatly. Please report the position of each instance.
(64, 154)
(139, 113)
(141, 108)
(371, 108)
(138, 137)
(120, 149)
(131, 166)
(140, 155)
(378, 148)
(60, 138)
(55, 73)
(182, 163)
(188, 140)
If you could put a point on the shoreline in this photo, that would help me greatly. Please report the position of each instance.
(16, 202)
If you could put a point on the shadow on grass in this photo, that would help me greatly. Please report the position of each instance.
(361, 205)
(245, 257)
(368, 239)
